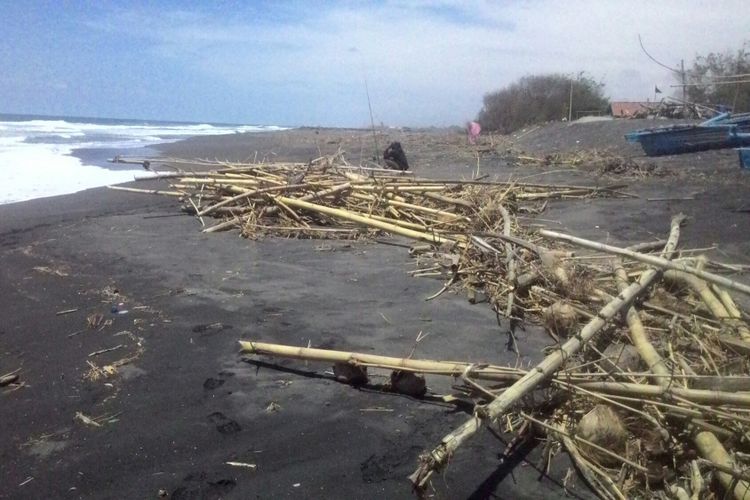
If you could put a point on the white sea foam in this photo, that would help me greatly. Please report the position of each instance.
(36, 161)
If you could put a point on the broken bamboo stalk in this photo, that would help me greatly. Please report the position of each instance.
(714, 304)
(638, 336)
(314, 196)
(248, 194)
(510, 264)
(438, 457)
(362, 219)
(648, 259)
(701, 396)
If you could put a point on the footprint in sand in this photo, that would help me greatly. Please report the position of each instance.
(223, 424)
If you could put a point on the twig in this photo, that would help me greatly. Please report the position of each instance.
(96, 353)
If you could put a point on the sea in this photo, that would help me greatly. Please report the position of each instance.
(44, 156)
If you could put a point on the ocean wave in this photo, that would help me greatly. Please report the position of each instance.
(36, 161)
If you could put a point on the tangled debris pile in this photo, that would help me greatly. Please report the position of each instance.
(646, 384)
(601, 162)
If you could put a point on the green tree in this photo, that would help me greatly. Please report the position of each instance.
(712, 79)
(540, 98)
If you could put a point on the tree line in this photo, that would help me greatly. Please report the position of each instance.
(718, 80)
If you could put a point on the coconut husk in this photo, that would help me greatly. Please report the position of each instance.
(558, 269)
(560, 318)
(621, 358)
(350, 374)
(409, 383)
(604, 427)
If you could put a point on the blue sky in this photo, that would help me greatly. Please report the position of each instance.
(305, 63)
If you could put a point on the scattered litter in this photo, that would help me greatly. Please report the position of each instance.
(94, 320)
(66, 311)
(95, 372)
(87, 420)
(242, 464)
(273, 407)
(49, 270)
(385, 318)
(118, 309)
(26, 481)
(109, 349)
(9, 378)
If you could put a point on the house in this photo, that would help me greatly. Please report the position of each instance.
(635, 109)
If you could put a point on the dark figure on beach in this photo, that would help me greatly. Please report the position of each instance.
(146, 165)
(395, 157)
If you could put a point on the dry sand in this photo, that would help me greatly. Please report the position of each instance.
(187, 403)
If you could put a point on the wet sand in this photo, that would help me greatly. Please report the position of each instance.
(186, 402)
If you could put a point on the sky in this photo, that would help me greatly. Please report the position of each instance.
(313, 63)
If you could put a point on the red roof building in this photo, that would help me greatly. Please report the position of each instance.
(623, 109)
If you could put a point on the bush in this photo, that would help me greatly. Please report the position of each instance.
(539, 98)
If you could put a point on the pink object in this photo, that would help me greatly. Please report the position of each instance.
(473, 129)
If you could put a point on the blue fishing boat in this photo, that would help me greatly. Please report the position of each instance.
(744, 158)
(722, 131)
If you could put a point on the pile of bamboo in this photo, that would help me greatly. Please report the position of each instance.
(646, 381)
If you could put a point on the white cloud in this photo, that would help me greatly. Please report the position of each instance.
(431, 63)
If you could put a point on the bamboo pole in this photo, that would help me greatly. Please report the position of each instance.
(638, 335)
(447, 199)
(248, 194)
(648, 259)
(666, 392)
(361, 219)
(147, 191)
(439, 456)
(481, 371)
(222, 181)
(314, 196)
(711, 448)
(449, 368)
(716, 306)
(221, 226)
(510, 264)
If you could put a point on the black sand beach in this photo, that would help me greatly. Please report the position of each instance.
(184, 402)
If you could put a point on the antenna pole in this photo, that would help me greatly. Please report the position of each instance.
(372, 123)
